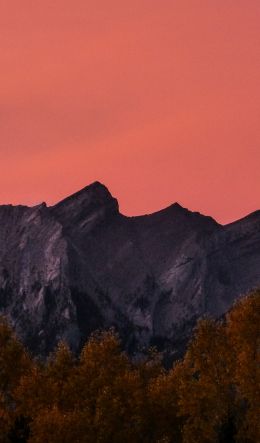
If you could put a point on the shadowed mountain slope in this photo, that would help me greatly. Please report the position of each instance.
(80, 265)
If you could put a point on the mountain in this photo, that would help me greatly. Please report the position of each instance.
(80, 265)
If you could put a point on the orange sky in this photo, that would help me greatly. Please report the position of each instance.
(158, 99)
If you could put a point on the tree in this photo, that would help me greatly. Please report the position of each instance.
(243, 330)
(165, 424)
(15, 362)
(205, 383)
(42, 394)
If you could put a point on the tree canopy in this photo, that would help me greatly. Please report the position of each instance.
(212, 395)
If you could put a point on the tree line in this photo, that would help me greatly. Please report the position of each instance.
(212, 395)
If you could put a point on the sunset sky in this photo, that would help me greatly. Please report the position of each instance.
(158, 99)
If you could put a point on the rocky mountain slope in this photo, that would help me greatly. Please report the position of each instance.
(80, 265)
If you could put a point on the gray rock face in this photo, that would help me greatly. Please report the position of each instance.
(80, 265)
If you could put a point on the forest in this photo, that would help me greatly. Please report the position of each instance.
(211, 395)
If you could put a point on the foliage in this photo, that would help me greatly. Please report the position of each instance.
(211, 395)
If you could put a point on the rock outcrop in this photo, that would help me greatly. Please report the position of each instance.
(80, 265)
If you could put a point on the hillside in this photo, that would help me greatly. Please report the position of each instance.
(80, 265)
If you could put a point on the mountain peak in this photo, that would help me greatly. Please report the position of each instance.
(95, 190)
(94, 198)
(79, 266)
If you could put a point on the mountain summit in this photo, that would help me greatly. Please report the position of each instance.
(80, 265)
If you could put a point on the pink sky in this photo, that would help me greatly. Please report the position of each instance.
(159, 100)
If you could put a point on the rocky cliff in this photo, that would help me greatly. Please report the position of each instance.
(80, 265)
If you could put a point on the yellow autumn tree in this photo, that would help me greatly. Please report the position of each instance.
(243, 330)
(106, 387)
(104, 396)
(205, 383)
(88, 400)
(165, 423)
(42, 392)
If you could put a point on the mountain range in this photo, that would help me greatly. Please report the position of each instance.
(69, 269)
